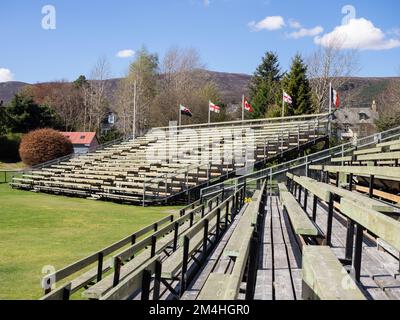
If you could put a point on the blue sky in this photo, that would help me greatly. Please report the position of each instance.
(230, 35)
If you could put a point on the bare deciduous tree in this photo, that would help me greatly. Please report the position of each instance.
(183, 81)
(330, 64)
(96, 99)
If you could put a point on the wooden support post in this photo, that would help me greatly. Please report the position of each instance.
(329, 221)
(233, 207)
(191, 218)
(146, 279)
(99, 266)
(226, 216)
(299, 195)
(176, 232)
(349, 240)
(117, 270)
(358, 252)
(305, 199)
(371, 186)
(186, 241)
(153, 246)
(351, 182)
(337, 179)
(157, 280)
(205, 241)
(314, 211)
(252, 268)
(217, 229)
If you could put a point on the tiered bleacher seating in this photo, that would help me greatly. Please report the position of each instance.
(162, 164)
(157, 252)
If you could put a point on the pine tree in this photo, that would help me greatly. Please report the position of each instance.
(297, 85)
(264, 86)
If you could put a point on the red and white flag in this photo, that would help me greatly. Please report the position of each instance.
(335, 98)
(185, 111)
(287, 98)
(247, 106)
(214, 108)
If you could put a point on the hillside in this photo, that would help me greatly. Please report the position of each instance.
(8, 89)
(358, 92)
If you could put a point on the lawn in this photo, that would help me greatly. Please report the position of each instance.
(39, 229)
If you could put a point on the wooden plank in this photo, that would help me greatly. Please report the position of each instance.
(379, 156)
(308, 183)
(367, 151)
(388, 143)
(380, 194)
(342, 159)
(79, 265)
(390, 173)
(301, 223)
(100, 288)
(326, 277)
(343, 193)
(60, 293)
(131, 283)
(215, 287)
(381, 225)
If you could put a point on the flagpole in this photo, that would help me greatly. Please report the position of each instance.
(243, 107)
(209, 112)
(180, 116)
(283, 104)
(330, 107)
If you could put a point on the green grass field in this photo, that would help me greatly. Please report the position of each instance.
(39, 229)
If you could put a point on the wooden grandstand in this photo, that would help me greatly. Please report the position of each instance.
(168, 163)
(310, 231)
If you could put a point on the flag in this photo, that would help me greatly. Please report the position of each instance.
(335, 98)
(214, 108)
(185, 111)
(247, 106)
(287, 98)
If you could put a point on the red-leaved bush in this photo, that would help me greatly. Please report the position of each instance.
(43, 145)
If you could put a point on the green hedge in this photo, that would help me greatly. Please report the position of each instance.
(9, 145)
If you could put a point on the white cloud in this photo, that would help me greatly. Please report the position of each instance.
(207, 2)
(5, 75)
(303, 32)
(294, 24)
(269, 23)
(127, 53)
(358, 34)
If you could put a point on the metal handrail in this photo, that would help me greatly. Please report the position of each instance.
(233, 123)
(319, 156)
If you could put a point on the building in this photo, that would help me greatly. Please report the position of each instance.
(82, 142)
(356, 122)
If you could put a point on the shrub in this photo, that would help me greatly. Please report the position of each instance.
(9, 145)
(43, 145)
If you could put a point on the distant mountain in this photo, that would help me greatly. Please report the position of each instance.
(357, 92)
(8, 89)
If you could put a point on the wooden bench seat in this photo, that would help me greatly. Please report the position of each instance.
(324, 277)
(367, 151)
(302, 225)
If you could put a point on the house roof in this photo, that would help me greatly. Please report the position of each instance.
(80, 137)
